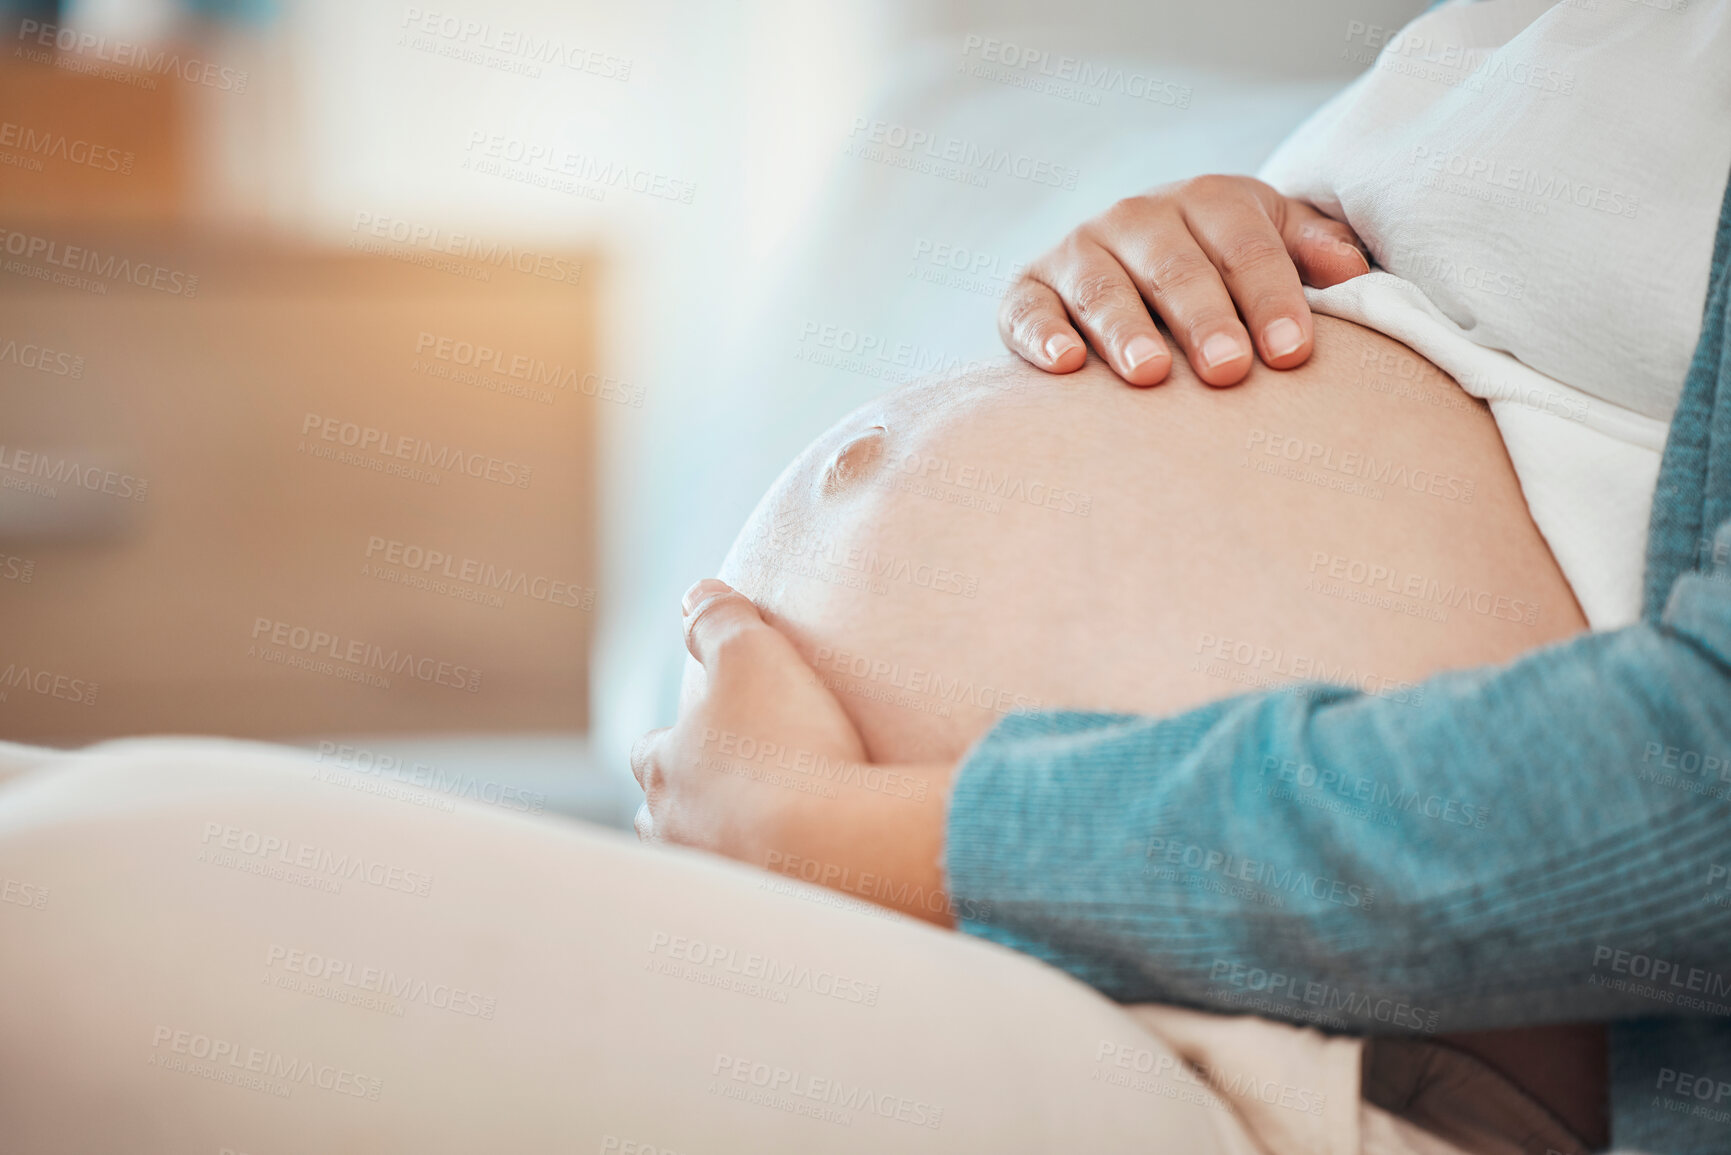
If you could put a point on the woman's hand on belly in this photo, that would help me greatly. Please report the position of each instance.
(1199, 253)
(765, 766)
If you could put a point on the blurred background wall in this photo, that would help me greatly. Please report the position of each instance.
(713, 249)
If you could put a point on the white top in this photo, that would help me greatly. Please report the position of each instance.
(1541, 185)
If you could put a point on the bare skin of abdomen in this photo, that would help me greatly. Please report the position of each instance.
(1009, 539)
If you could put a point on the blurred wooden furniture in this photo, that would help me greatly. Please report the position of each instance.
(77, 145)
(184, 455)
(245, 411)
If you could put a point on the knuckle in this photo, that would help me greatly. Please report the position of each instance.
(1023, 311)
(1176, 272)
(1096, 295)
(1251, 251)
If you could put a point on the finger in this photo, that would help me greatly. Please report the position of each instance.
(717, 616)
(1325, 250)
(1108, 308)
(1033, 326)
(644, 824)
(1181, 283)
(643, 755)
(1242, 240)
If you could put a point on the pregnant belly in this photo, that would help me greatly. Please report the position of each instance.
(958, 549)
(962, 548)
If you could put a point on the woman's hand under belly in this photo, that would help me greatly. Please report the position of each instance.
(961, 548)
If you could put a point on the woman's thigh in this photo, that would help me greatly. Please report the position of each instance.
(961, 548)
(223, 951)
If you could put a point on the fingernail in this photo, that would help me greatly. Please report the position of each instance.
(700, 590)
(1282, 336)
(1059, 345)
(1220, 349)
(1140, 351)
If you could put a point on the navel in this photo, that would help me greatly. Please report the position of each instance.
(853, 462)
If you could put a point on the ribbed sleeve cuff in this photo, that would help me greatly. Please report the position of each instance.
(1039, 815)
